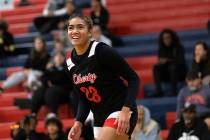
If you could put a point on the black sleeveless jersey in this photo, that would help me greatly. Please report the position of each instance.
(97, 78)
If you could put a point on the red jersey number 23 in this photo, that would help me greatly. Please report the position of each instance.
(91, 94)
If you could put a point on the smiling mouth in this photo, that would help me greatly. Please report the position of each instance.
(75, 37)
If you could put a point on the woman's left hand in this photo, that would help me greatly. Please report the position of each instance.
(123, 121)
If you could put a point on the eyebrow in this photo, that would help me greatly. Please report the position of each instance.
(76, 24)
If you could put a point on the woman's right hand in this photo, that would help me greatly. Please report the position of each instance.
(75, 132)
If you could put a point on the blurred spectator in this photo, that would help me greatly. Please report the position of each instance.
(57, 90)
(100, 17)
(201, 62)
(24, 3)
(54, 129)
(7, 46)
(59, 46)
(195, 93)
(55, 19)
(26, 130)
(189, 127)
(98, 35)
(34, 67)
(62, 36)
(54, 7)
(146, 128)
(171, 62)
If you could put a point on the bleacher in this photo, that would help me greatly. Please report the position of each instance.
(138, 22)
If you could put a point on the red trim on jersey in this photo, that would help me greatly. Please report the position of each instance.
(110, 123)
(68, 55)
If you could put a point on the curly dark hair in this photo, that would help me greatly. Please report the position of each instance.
(88, 21)
(55, 121)
(205, 47)
(175, 39)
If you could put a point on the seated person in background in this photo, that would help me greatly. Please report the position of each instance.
(34, 67)
(59, 46)
(98, 35)
(189, 127)
(61, 33)
(55, 19)
(201, 62)
(24, 3)
(100, 17)
(61, 36)
(54, 129)
(57, 88)
(195, 93)
(26, 130)
(171, 65)
(7, 46)
(54, 7)
(146, 128)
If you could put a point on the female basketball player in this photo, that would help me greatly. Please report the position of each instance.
(98, 74)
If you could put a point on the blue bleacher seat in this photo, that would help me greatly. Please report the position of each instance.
(149, 90)
(32, 28)
(2, 73)
(83, 3)
(15, 61)
(28, 38)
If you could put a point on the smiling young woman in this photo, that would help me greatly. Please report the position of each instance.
(96, 71)
(79, 33)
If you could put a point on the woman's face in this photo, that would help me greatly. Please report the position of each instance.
(194, 84)
(59, 59)
(59, 46)
(200, 51)
(69, 7)
(167, 39)
(78, 32)
(38, 44)
(52, 128)
(189, 117)
(96, 32)
(95, 5)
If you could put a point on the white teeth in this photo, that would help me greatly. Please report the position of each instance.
(74, 37)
